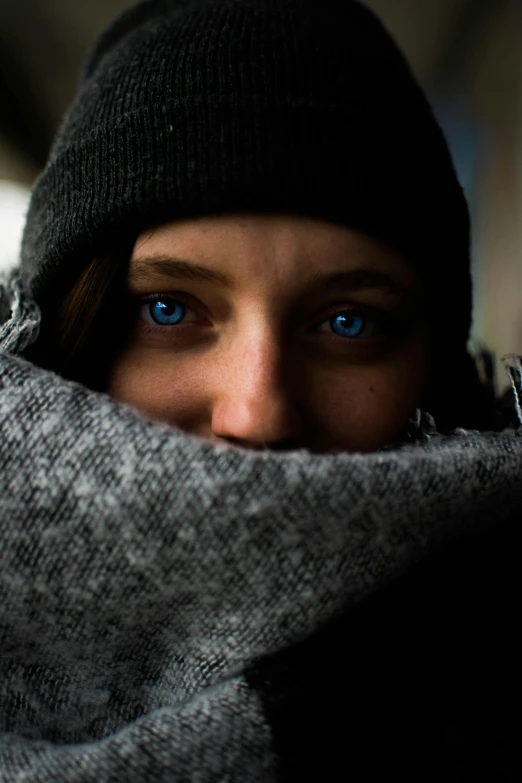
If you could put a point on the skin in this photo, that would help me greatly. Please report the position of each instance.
(261, 362)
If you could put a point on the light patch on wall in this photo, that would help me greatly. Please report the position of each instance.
(14, 200)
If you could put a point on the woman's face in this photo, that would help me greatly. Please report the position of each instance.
(273, 331)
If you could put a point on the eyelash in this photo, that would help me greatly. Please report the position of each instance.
(387, 324)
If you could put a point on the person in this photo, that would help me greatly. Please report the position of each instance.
(381, 197)
(251, 471)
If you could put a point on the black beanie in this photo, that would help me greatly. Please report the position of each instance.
(192, 107)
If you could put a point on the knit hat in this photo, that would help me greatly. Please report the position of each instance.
(192, 107)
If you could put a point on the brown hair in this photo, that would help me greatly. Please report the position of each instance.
(82, 335)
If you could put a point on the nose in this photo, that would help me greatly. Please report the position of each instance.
(254, 403)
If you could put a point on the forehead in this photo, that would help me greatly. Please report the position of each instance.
(278, 249)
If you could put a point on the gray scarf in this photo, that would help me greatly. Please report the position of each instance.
(145, 572)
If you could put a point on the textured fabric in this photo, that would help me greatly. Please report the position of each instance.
(173, 610)
(198, 107)
(19, 315)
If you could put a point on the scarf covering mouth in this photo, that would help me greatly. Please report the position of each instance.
(169, 608)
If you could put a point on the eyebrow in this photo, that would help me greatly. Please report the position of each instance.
(359, 280)
(172, 268)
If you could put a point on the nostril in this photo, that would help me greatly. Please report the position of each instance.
(286, 444)
(242, 443)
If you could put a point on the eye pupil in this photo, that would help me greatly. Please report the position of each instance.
(347, 324)
(166, 313)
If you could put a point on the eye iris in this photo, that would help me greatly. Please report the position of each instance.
(166, 313)
(347, 324)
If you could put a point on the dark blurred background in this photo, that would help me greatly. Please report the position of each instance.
(466, 54)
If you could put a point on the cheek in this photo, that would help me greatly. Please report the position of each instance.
(356, 407)
(159, 388)
(364, 408)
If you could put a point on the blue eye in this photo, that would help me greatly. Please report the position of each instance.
(347, 324)
(166, 312)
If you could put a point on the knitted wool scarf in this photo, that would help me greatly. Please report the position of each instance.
(147, 577)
